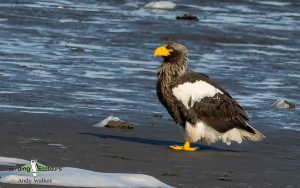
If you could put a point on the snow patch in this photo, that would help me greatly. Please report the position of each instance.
(11, 161)
(75, 177)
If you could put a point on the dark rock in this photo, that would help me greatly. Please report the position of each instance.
(119, 124)
(187, 17)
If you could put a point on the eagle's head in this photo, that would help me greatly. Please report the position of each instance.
(175, 60)
(172, 52)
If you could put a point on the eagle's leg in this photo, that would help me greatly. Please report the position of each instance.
(185, 147)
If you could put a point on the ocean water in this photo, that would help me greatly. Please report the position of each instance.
(95, 58)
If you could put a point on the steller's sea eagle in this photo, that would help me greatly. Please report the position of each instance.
(203, 108)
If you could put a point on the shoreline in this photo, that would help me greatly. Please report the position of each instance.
(73, 141)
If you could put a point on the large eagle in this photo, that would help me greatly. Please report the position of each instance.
(203, 108)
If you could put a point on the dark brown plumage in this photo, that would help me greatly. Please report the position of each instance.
(193, 100)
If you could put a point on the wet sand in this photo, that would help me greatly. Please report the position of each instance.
(74, 142)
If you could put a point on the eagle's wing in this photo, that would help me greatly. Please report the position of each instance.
(222, 113)
(210, 102)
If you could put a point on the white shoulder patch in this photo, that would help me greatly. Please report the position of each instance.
(194, 92)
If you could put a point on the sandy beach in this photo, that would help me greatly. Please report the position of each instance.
(66, 65)
(73, 141)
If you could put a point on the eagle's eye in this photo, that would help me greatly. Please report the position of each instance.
(170, 48)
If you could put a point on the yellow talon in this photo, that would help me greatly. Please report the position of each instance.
(185, 147)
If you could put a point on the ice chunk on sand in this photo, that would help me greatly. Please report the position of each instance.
(114, 122)
(7, 161)
(161, 5)
(283, 104)
(106, 120)
(75, 177)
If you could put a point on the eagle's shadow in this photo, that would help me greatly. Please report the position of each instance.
(156, 142)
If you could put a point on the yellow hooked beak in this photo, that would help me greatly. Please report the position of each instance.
(162, 51)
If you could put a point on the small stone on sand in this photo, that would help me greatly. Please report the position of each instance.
(119, 124)
(283, 104)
